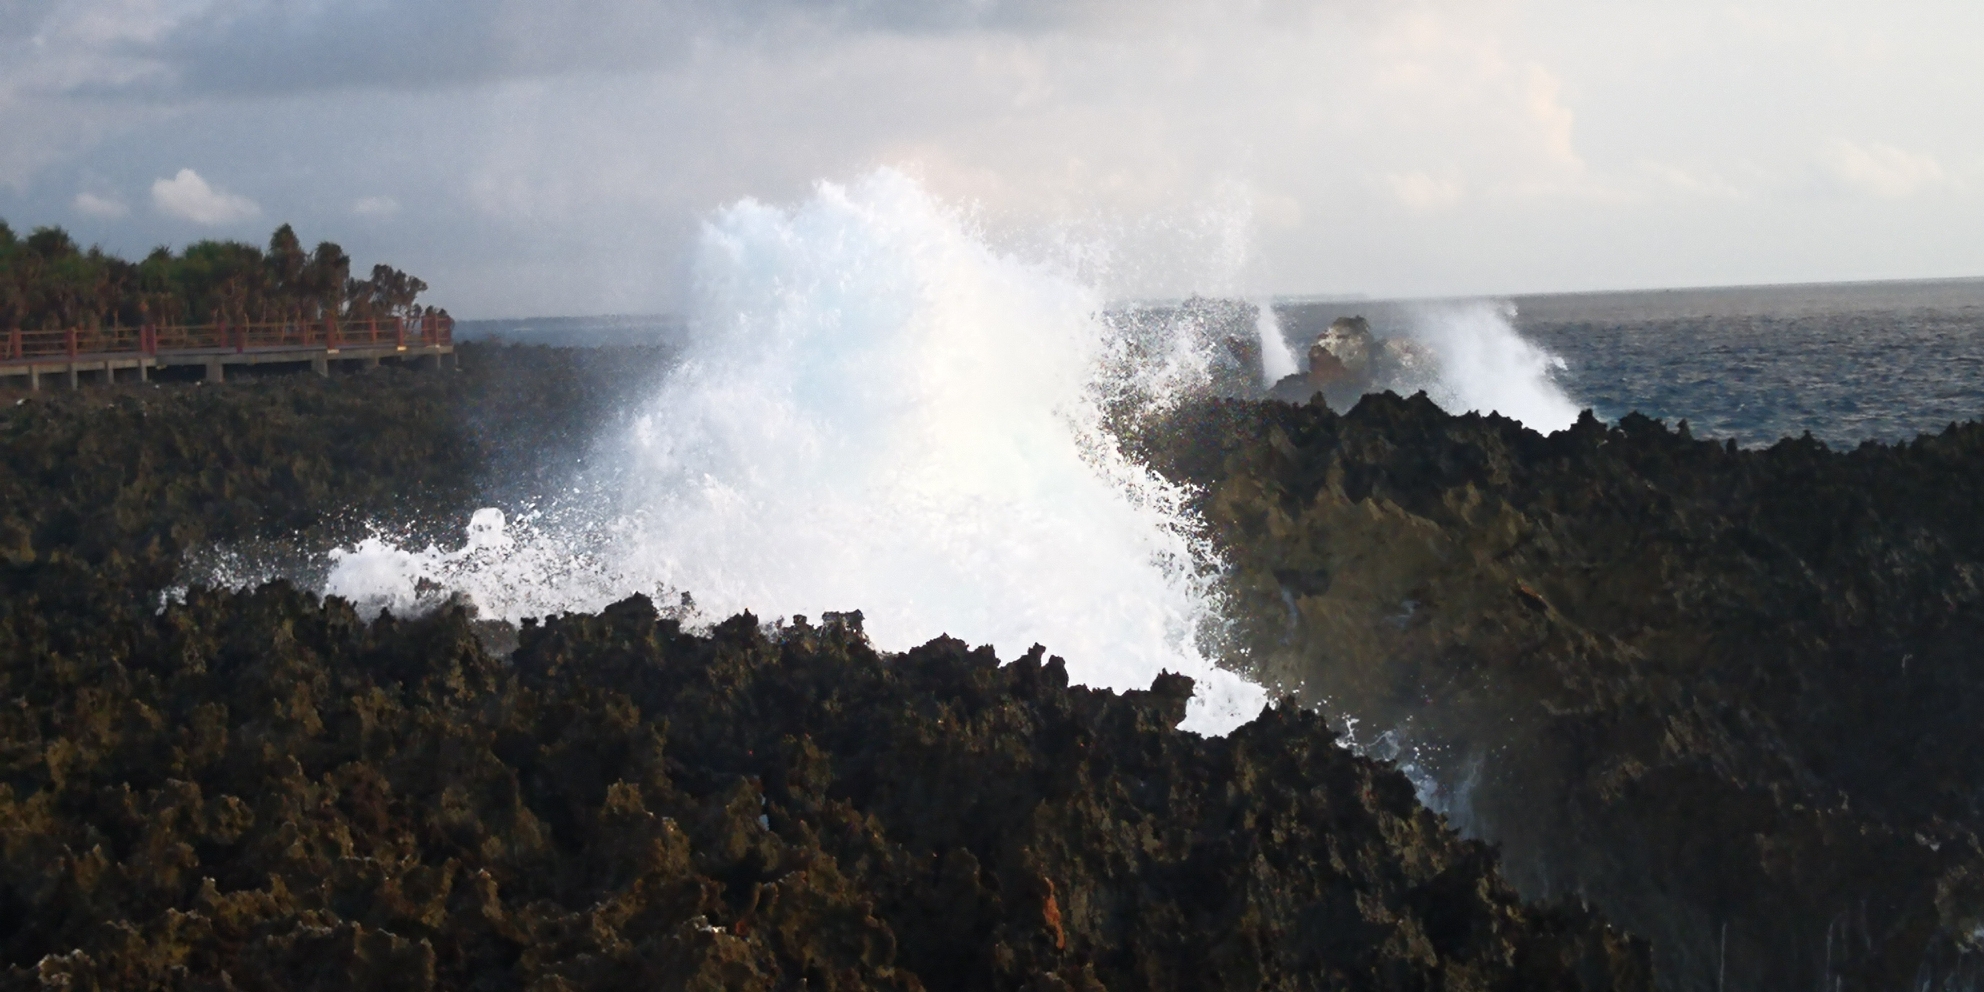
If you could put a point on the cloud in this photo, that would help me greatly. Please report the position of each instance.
(1883, 170)
(1424, 192)
(188, 197)
(281, 46)
(558, 154)
(375, 206)
(1694, 182)
(103, 207)
(1553, 120)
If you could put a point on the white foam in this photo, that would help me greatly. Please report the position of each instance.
(876, 411)
(1484, 365)
(1277, 358)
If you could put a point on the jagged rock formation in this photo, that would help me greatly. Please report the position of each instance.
(1347, 361)
(1730, 696)
(122, 483)
(1726, 695)
(258, 791)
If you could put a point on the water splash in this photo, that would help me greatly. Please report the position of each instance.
(1483, 363)
(876, 410)
(1277, 358)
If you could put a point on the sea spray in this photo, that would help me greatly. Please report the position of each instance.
(1482, 363)
(875, 410)
(1277, 358)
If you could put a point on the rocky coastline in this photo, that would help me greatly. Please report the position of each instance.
(258, 791)
(1727, 696)
(1616, 708)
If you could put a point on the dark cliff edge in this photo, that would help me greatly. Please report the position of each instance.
(1725, 698)
(1728, 696)
(257, 790)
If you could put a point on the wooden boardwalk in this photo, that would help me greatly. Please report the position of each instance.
(101, 354)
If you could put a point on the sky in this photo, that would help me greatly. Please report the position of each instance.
(538, 158)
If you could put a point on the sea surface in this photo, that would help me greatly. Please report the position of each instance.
(1848, 362)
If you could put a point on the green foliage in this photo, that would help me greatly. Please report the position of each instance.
(48, 282)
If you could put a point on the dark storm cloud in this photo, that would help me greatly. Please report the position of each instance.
(286, 47)
(272, 46)
(21, 18)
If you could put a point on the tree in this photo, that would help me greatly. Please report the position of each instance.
(51, 243)
(47, 281)
(389, 293)
(286, 261)
(324, 276)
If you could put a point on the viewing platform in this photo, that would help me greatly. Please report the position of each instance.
(103, 353)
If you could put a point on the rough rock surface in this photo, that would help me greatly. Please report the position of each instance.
(1347, 361)
(116, 486)
(1730, 696)
(258, 791)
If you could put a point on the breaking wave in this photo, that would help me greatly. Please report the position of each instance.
(876, 409)
(1483, 363)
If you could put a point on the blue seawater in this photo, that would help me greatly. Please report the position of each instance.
(1848, 362)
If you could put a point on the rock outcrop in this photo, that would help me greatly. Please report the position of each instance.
(258, 791)
(1347, 361)
(1729, 696)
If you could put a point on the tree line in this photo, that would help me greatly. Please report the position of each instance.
(48, 282)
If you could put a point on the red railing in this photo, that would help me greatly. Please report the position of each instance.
(331, 335)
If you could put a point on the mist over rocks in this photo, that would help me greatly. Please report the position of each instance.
(258, 790)
(1729, 696)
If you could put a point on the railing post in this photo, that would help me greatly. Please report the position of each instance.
(71, 340)
(331, 338)
(399, 333)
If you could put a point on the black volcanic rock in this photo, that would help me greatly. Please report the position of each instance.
(1729, 696)
(114, 487)
(258, 791)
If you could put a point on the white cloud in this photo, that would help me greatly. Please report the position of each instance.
(105, 207)
(1535, 143)
(1553, 120)
(1694, 183)
(1883, 170)
(1423, 192)
(189, 197)
(375, 206)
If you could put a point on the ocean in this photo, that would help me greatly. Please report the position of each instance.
(1848, 362)
(875, 408)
